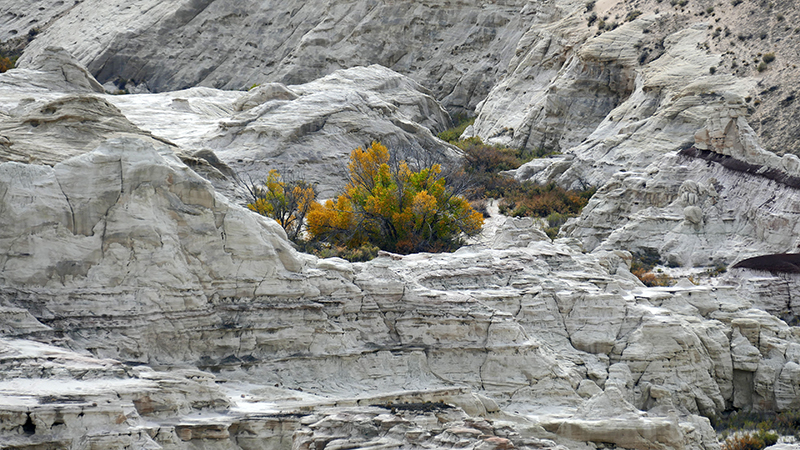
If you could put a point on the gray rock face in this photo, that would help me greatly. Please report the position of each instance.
(693, 211)
(173, 274)
(305, 130)
(655, 195)
(456, 50)
(576, 65)
(19, 18)
(49, 113)
(116, 255)
(309, 130)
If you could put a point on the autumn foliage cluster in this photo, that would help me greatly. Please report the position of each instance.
(5, 64)
(286, 201)
(385, 204)
(394, 208)
(757, 440)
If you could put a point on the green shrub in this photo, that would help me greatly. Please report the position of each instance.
(642, 266)
(362, 253)
(633, 15)
(747, 441)
(554, 222)
(768, 57)
(481, 173)
(762, 66)
(765, 427)
(452, 135)
(531, 200)
(483, 164)
(717, 270)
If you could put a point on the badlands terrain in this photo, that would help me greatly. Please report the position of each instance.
(142, 306)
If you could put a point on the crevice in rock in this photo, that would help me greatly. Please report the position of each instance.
(71, 211)
(29, 428)
(431, 371)
(775, 263)
(486, 350)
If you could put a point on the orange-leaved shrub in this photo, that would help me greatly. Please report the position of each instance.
(6, 64)
(757, 440)
(286, 201)
(390, 206)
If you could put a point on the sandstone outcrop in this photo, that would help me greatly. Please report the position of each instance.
(141, 306)
(49, 112)
(657, 194)
(174, 45)
(700, 207)
(232, 138)
(148, 264)
(307, 131)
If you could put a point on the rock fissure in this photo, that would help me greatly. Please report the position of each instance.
(72, 226)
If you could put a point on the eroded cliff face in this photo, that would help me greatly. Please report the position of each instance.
(142, 306)
(163, 46)
(623, 106)
(148, 264)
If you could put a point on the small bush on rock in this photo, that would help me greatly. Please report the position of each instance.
(768, 425)
(482, 175)
(529, 199)
(642, 266)
(751, 441)
(286, 201)
(633, 15)
(6, 64)
(452, 135)
(388, 205)
(363, 253)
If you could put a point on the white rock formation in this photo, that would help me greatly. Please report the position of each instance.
(305, 130)
(158, 268)
(115, 255)
(171, 45)
(655, 196)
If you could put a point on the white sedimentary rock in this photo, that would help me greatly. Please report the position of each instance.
(176, 44)
(113, 248)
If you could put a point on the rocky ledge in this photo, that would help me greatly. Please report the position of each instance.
(142, 306)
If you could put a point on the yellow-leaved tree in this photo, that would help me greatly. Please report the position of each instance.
(394, 208)
(287, 202)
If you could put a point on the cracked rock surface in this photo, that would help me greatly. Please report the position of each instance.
(142, 306)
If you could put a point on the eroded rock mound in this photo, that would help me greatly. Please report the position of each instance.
(179, 44)
(309, 130)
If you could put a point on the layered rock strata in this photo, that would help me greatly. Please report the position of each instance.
(458, 50)
(116, 256)
(150, 265)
